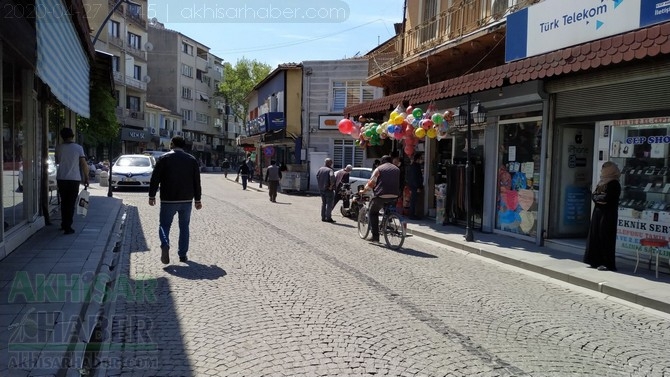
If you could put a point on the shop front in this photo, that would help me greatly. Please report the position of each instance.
(640, 147)
(134, 140)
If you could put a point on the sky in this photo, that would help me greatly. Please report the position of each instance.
(281, 31)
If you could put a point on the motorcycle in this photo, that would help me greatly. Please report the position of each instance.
(351, 201)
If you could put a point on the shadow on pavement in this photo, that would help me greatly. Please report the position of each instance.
(195, 271)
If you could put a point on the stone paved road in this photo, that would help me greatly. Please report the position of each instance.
(270, 290)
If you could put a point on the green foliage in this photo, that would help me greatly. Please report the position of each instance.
(102, 127)
(238, 81)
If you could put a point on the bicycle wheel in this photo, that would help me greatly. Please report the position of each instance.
(363, 223)
(394, 231)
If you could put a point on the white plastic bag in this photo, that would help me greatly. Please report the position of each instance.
(82, 202)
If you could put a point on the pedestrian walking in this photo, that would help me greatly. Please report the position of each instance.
(415, 183)
(243, 172)
(177, 174)
(72, 171)
(601, 241)
(325, 178)
(272, 177)
(225, 165)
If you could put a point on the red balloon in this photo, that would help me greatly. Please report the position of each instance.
(345, 126)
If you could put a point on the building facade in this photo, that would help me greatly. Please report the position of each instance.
(48, 64)
(328, 87)
(162, 124)
(557, 106)
(185, 80)
(124, 36)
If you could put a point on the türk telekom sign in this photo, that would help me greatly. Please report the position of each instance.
(556, 24)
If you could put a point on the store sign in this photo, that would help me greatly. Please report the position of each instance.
(631, 230)
(329, 122)
(272, 121)
(555, 24)
(131, 134)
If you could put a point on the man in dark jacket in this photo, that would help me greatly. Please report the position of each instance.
(385, 183)
(325, 178)
(272, 177)
(178, 175)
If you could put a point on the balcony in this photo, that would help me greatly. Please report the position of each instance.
(135, 83)
(136, 52)
(130, 117)
(464, 21)
(115, 40)
(136, 16)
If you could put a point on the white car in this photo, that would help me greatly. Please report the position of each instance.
(359, 176)
(132, 170)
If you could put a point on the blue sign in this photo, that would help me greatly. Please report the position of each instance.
(555, 24)
(267, 122)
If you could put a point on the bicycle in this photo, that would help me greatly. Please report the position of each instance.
(391, 224)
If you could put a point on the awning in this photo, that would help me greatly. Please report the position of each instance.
(61, 59)
(203, 97)
(276, 137)
(618, 49)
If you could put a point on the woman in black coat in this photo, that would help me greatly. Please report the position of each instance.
(601, 242)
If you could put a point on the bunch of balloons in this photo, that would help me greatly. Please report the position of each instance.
(411, 126)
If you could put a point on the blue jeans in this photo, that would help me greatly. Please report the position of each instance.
(167, 215)
(327, 197)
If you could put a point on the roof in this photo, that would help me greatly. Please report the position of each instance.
(640, 44)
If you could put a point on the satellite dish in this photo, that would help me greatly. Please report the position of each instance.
(148, 46)
(154, 21)
(146, 79)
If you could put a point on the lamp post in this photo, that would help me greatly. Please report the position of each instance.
(476, 114)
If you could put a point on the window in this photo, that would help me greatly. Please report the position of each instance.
(114, 28)
(202, 118)
(187, 70)
(134, 10)
(134, 41)
(117, 95)
(133, 103)
(186, 93)
(429, 20)
(137, 72)
(186, 114)
(187, 48)
(348, 93)
(116, 63)
(345, 152)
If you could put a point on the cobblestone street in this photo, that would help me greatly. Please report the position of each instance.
(269, 290)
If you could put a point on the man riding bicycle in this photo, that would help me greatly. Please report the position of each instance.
(385, 184)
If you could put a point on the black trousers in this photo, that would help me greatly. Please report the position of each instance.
(68, 191)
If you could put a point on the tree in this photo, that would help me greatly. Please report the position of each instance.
(237, 83)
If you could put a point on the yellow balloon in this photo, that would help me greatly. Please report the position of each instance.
(431, 133)
(393, 114)
(420, 132)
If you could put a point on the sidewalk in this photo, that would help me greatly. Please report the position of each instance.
(47, 286)
(47, 324)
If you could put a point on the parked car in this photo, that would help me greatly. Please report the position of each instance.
(155, 154)
(52, 169)
(132, 170)
(359, 176)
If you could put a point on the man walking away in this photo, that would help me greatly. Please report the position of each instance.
(325, 178)
(225, 165)
(177, 173)
(72, 170)
(272, 177)
(250, 165)
(243, 171)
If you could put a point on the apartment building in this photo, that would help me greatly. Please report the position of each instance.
(124, 36)
(185, 78)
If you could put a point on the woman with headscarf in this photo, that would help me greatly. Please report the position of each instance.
(601, 242)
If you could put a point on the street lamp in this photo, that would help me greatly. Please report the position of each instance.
(473, 114)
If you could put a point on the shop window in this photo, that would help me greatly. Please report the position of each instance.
(518, 180)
